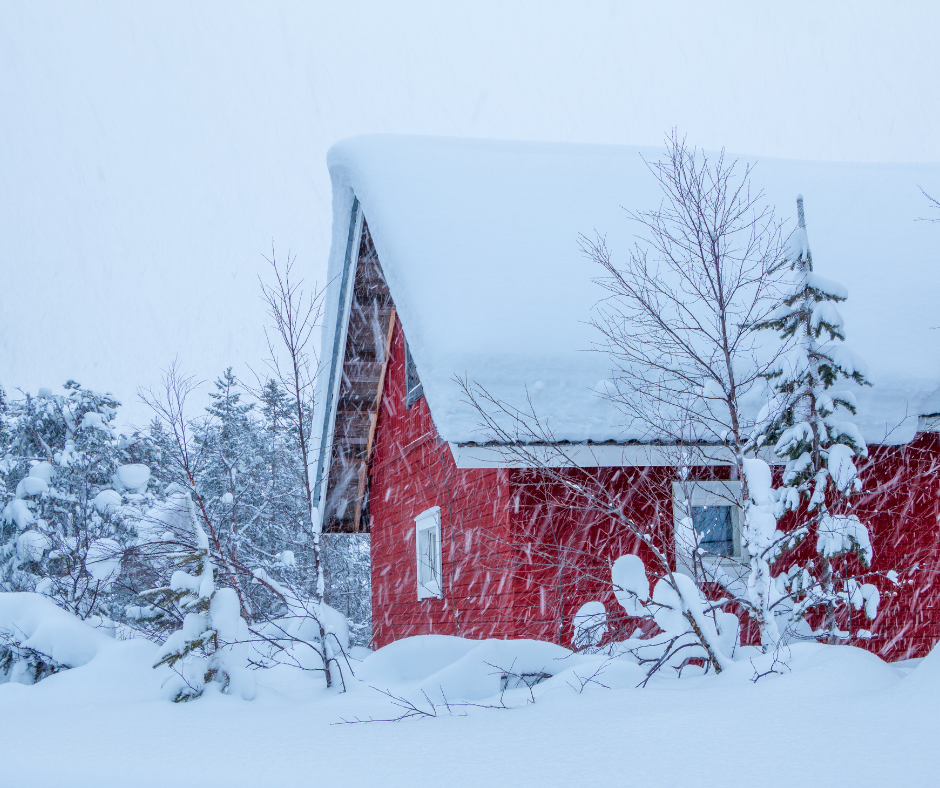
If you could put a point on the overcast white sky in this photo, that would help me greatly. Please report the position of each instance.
(149, 153)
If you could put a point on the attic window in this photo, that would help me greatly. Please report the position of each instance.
(428, 541)
(413, 388)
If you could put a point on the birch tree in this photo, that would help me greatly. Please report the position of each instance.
(677, 325)
(295, 315)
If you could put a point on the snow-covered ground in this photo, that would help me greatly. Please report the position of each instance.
(840, 716)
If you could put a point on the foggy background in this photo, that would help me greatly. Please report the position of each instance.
(150, 153)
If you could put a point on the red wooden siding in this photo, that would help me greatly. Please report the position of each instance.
(564, 550)
(901, 505)
(520, 558)
(413, 470)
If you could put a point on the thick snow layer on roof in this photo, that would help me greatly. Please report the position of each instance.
(479, 243)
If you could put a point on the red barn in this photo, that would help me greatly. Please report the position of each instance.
(459, 259)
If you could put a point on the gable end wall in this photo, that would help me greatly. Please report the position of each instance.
(412, 470)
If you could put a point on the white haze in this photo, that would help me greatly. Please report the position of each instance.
(149, 153)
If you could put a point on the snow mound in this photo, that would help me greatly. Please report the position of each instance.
(456, 670)
(414, 658)
(32, 621)
(133, 478)
(924, 680)
(816, 669)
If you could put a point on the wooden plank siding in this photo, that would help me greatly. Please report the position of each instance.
(520, 557)
(413, 470)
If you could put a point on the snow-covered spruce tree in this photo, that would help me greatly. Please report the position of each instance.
(285, 505)
(239, 467)
(4, 428)
(7, 463)
(214, 459)
(233, 483)
(69, 490)
(283, 545)
(808, 422)
(212, 642)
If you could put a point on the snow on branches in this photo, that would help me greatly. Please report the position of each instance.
(211, 645)
(808, 423)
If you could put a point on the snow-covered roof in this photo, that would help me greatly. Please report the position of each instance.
(479, 244)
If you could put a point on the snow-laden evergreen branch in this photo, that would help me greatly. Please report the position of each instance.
(808, 423)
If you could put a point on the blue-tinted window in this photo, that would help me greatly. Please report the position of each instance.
(714, 527)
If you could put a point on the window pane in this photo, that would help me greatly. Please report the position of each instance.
(423, 568)
(413, 388)
(714, 528)
(432, 557)
(429, 573)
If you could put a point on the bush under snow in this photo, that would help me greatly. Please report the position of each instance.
(38, 638)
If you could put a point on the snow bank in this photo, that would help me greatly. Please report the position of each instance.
(414, 658)
(815, 669)
(683, 732)
(479, 243)
(924, 680)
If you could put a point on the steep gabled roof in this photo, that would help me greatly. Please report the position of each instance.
(479, 244)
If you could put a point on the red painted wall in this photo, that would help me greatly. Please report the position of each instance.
(565, 550)
(900, 502)
(413, 470)
(519, 557)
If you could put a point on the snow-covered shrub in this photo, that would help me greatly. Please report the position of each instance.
(310, 636)
(243, 468)
(212, 644)
(690, 627)
(590, 625)
(240, 464)
(38, 639)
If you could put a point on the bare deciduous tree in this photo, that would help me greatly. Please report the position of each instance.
(678, 321)
(169, 405)
(295, 315)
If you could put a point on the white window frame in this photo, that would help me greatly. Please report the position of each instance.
(429, 575)
(721, 493)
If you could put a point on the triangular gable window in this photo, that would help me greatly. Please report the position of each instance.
(413, 388)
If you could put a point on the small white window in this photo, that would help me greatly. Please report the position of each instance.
(428, 541)
(708, 523)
